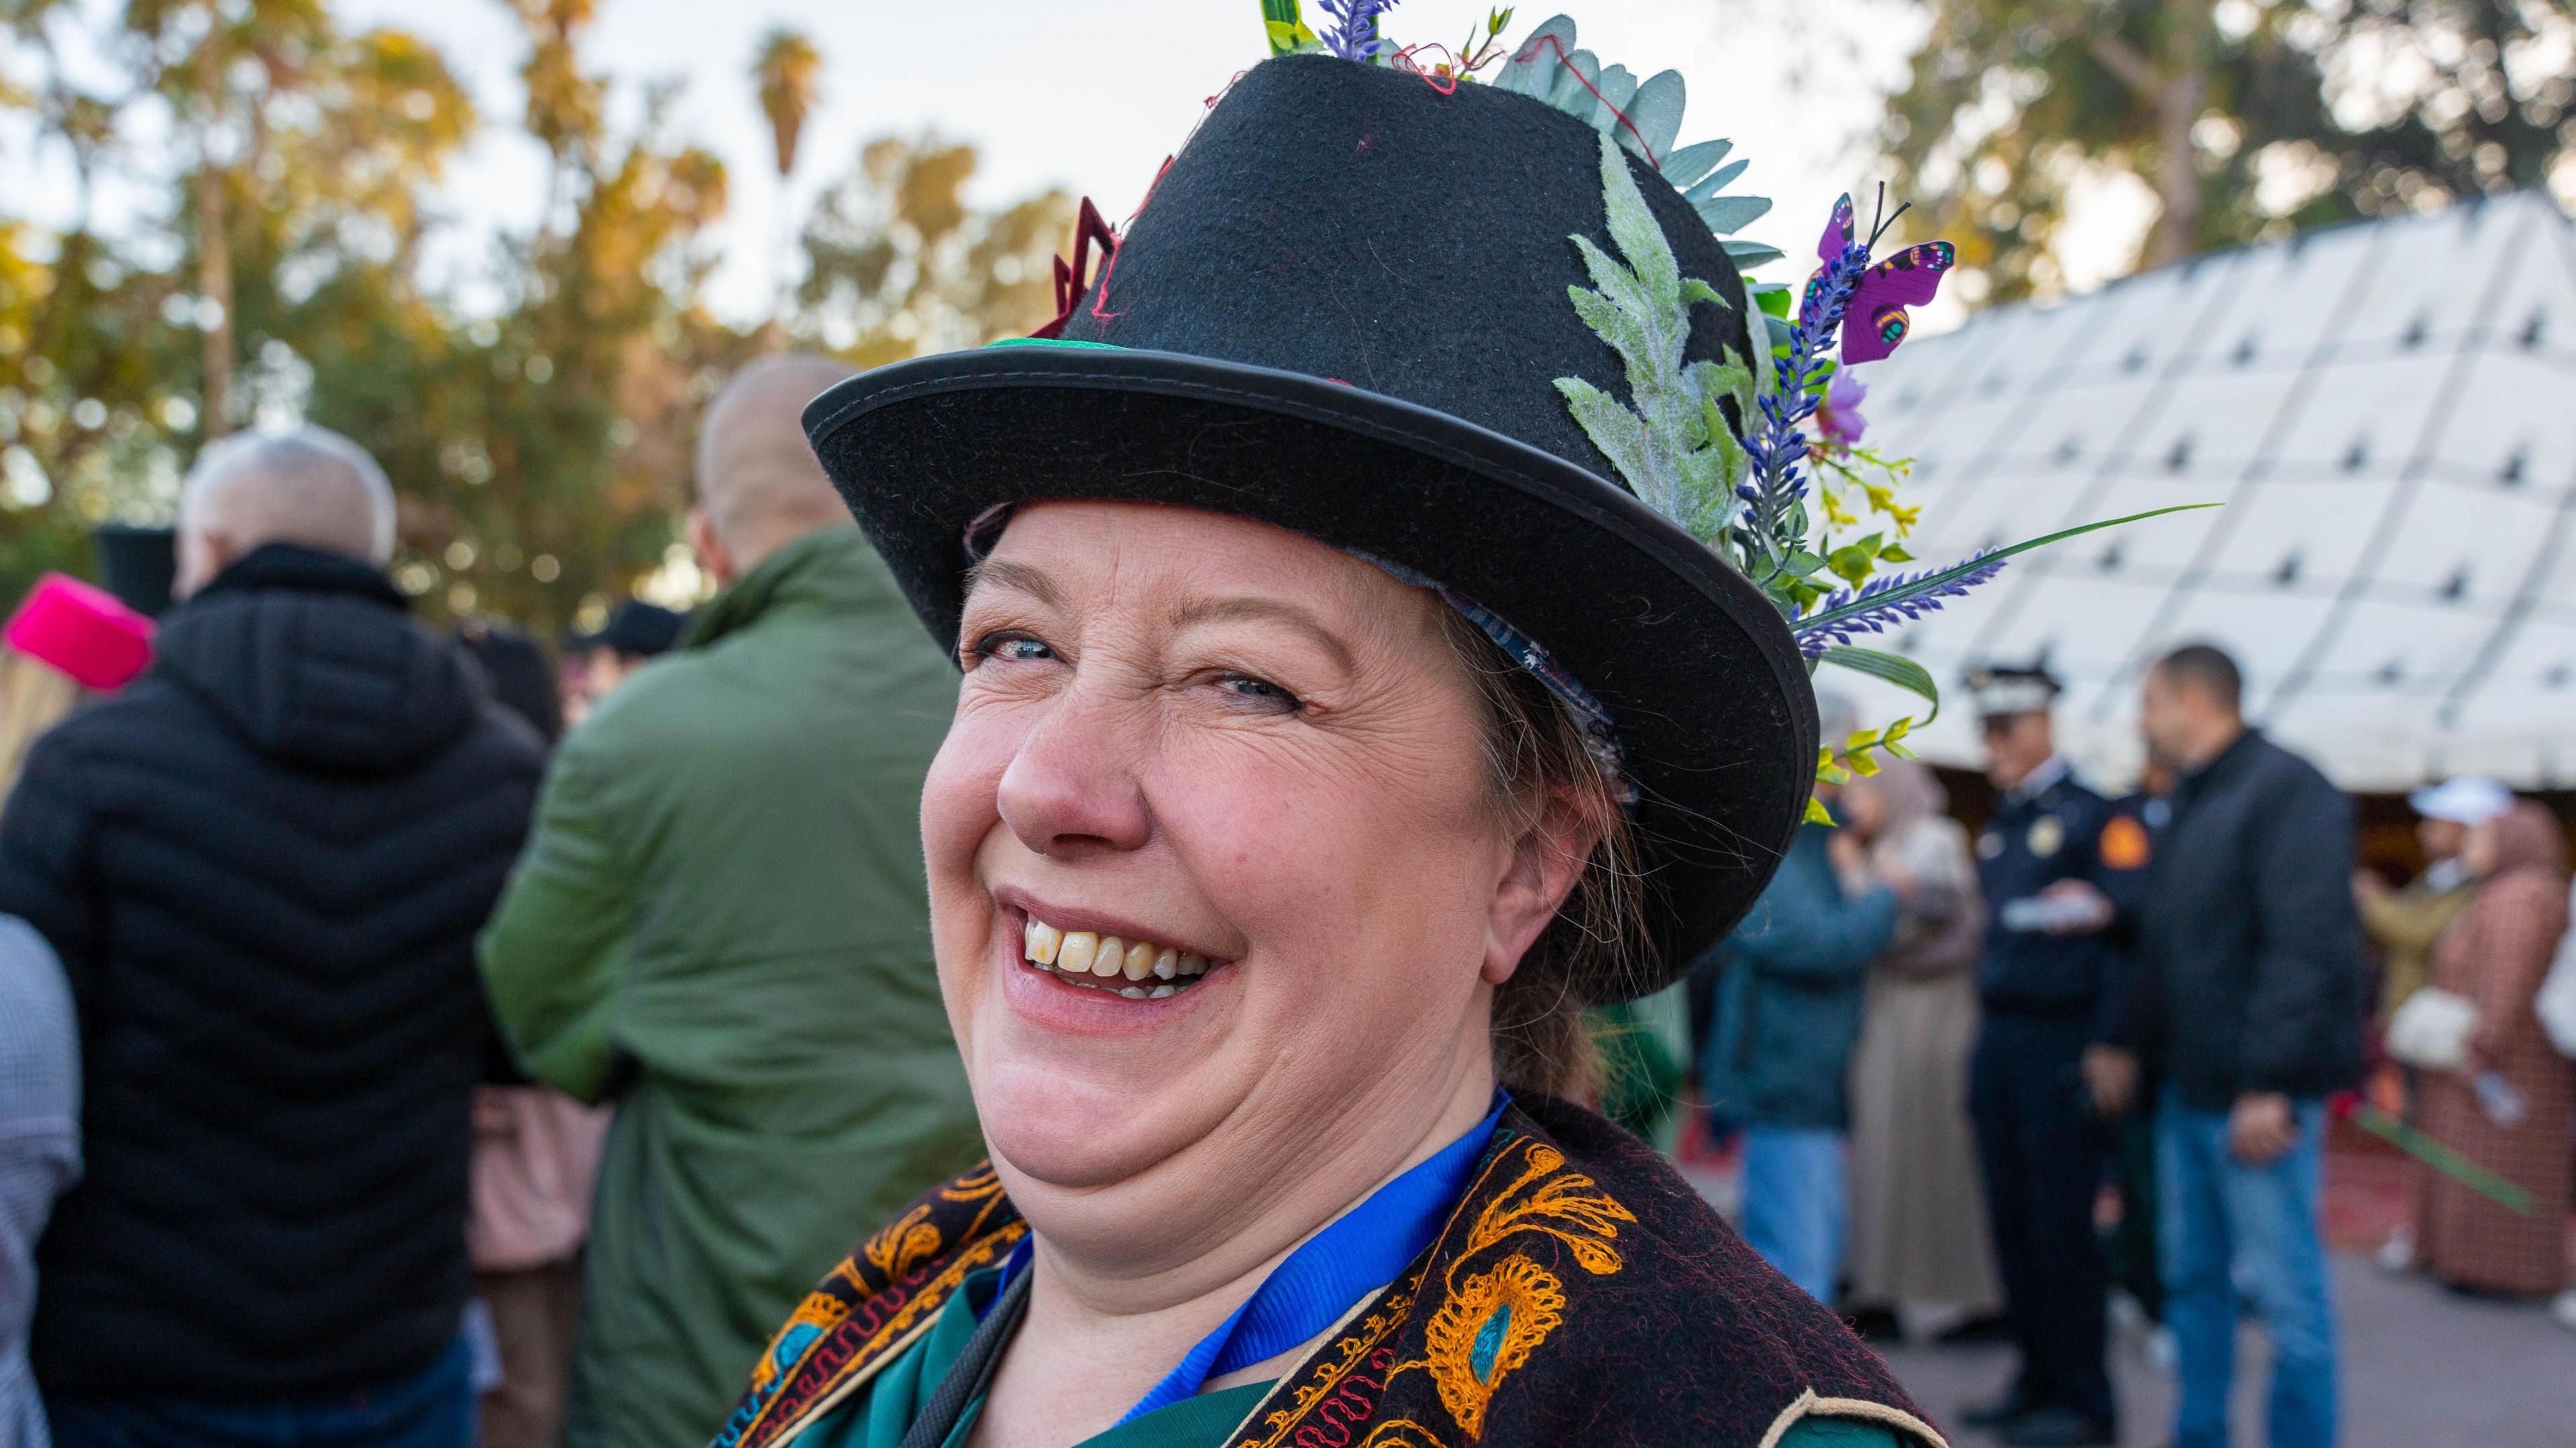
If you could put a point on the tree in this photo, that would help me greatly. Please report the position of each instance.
(2246, 118)
(537, 422)
(540, 452)
(787, 71)
(306, 148)
(899, 264)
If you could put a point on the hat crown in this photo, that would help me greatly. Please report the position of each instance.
(1354, 223)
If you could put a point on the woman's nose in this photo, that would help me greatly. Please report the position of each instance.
(1072, 786)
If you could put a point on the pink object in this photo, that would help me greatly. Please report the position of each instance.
(81, 630)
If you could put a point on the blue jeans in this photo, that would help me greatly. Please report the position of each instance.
(2229, 1231)
(1794, 1203)
(431, 1409)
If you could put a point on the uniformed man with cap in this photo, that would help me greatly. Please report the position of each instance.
(2046, 986)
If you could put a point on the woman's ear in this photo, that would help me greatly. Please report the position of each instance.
(1545, 863)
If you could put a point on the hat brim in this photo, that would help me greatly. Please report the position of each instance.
(1701, 676)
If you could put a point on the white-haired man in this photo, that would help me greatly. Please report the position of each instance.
(263, 864)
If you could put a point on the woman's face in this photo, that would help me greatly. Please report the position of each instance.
(1864, 807)
(2478, 849)
(1255, 762)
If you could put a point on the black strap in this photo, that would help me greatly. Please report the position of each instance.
(972, 1374)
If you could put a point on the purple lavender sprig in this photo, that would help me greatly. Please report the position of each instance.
(1353, 33)
(1885, 602)
(1847, 614)
(1775, 523)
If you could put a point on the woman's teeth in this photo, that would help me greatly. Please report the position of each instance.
(1105, 962)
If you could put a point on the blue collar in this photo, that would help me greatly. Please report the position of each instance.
(1357, 1253)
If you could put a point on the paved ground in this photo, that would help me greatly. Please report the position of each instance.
(2422, 1369)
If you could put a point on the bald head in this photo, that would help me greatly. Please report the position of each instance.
(311, 487)
(759, 485)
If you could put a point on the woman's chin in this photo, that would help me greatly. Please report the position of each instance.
(1077, 1131)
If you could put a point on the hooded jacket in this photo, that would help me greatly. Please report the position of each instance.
(722, 923)
(263, 865)
(1789, 995)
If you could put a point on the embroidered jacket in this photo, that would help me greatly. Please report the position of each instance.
(1581, 1292)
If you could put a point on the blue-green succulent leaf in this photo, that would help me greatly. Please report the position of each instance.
(1656, 111)
(1750, 254)
(1692, 162)
(1726, 214)
(1617, 86)
(1715, 182)
(1574, 84)
(1536, 76)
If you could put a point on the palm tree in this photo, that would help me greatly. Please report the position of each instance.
(788, 70)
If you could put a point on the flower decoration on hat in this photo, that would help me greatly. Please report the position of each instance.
(1758, 454)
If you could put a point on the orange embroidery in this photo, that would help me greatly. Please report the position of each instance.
(1485, 1329)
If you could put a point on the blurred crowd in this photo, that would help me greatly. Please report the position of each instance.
(422, 1038)
(2083, 1064)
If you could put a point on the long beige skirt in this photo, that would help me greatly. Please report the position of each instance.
(1918, 1207)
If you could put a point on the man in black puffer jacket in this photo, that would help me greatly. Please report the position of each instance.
(2250, 993)
(263, 865)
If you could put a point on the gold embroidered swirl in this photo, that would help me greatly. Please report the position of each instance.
(1486, 1328)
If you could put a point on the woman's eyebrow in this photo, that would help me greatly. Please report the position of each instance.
(1017, 577)
(1226, 610)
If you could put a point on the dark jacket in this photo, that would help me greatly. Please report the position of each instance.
(2250, 943)
(263, 865)
(2029, 844)
(1789, 992)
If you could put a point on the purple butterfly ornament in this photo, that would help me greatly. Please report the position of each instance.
(1875, 320)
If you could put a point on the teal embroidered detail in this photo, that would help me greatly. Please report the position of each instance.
(1489, 1343)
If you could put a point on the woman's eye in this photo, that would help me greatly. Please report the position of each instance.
(1011, 648)
(1260, 691)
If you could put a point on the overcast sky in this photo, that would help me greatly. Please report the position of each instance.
(1092, 95)
(1089, 95)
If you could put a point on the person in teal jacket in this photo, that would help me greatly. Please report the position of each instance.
(720, 925)
(1779, 1052)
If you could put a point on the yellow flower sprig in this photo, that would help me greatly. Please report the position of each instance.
(1854, 760)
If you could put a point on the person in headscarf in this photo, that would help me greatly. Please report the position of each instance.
(65, 643)
(2405, 923)
(1919, 1245)
(2508, 1107)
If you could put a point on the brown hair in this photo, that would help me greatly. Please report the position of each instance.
(1534, 752)
(34, 697)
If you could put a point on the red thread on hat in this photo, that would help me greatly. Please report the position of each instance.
(83, 631)
(1442, 77)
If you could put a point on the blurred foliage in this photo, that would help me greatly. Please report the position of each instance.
(2247, 119)
(536, 413)
(899, 264)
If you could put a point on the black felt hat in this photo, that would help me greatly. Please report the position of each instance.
(637, 629)
(1343, 310)
(139, 565)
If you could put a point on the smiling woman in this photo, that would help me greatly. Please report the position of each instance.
(1323, 752)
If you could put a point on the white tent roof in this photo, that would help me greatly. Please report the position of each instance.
(2388, 411)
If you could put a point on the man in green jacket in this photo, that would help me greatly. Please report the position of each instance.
(720, 924)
